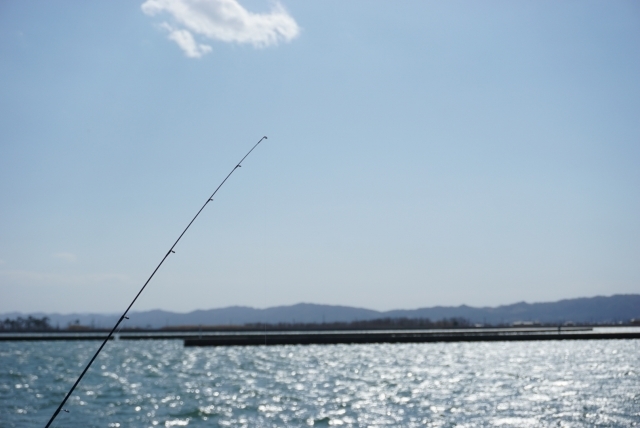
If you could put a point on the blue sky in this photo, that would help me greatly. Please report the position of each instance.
(419, 153)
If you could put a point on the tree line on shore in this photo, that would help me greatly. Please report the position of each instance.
(374, 324)
(31, 323)
(26, 324)
(35, 324)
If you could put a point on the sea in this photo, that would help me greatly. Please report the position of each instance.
(160, 383)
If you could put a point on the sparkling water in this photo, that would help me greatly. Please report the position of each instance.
(160, 383)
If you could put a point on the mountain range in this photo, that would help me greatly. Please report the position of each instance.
(595, 310)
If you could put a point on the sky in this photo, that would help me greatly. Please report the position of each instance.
(419, 153)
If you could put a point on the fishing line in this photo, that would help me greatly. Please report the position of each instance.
(124, 315)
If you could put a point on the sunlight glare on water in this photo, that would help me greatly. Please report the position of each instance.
(160, 383)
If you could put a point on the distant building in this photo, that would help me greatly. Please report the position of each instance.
(523, 323)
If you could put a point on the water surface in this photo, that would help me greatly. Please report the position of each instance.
(160, 383)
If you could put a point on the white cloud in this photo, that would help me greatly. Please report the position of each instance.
(187, 43)
(67, 257)
(222, 20)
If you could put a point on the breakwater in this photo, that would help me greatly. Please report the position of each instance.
(364, 337)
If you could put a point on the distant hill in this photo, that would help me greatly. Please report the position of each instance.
(592, 309)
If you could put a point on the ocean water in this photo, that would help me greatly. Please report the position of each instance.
(160, 383)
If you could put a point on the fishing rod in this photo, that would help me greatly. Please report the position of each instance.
(124, 315)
